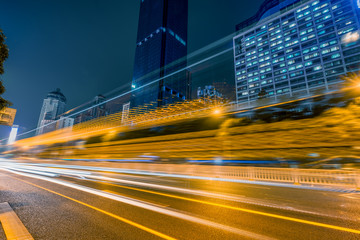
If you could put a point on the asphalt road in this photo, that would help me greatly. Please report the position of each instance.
(61, 203)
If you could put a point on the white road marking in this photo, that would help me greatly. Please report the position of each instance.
(351, 195)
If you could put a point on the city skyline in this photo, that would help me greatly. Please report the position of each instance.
(180, 119)
(70, 65)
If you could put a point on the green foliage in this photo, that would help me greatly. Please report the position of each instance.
(4, 54)
(4, 51)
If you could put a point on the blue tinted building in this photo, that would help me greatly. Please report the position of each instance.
(296, 48)
(161, 49)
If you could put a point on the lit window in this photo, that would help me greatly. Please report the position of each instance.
(317, 68)
(315, 3)
(337, 55)
(309, 63)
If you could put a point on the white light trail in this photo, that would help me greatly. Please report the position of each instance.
(147, 206)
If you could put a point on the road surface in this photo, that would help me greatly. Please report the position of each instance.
(60, 203)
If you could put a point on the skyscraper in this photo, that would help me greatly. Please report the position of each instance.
(161, 48)
(95, 110)
(53, 106)
(293, 48)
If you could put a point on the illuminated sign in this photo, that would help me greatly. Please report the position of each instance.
(7, 116)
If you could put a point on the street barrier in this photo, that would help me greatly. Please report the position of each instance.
(315, 177)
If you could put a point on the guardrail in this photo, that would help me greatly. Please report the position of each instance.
(340, 178)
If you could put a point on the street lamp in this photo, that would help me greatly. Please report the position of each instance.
(217, 112)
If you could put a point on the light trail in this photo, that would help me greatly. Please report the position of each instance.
(133, 90)
(194, 177)
(136, 203)
(215, 195)
(89, 176)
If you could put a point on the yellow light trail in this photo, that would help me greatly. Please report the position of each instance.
(138, 118)
(137, 225)
(243, 210)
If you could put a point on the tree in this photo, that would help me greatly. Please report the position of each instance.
(4, 54)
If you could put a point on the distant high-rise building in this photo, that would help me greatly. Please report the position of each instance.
(209, 92)
(13, 134)
(160, 50)
(64, 122)
(99, 110)
(53, 106)
(96, 110)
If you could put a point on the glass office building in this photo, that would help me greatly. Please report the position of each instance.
(296, 48)
(161, 49)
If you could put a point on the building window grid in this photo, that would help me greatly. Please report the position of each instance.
(320, 54)
(338, 44)
(299, 44)
(357, 23)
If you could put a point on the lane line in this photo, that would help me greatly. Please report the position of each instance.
(229, 197)
(137, 225)
(13, 227)
(244, 210)
(329, 226)
(143, 205)
(236, 198)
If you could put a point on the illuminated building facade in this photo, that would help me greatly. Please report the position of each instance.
(53, 106)
(160, 50)
(296, 48)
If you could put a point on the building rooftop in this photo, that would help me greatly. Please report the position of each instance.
(57, 94)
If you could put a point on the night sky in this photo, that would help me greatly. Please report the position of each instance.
(87, 47)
